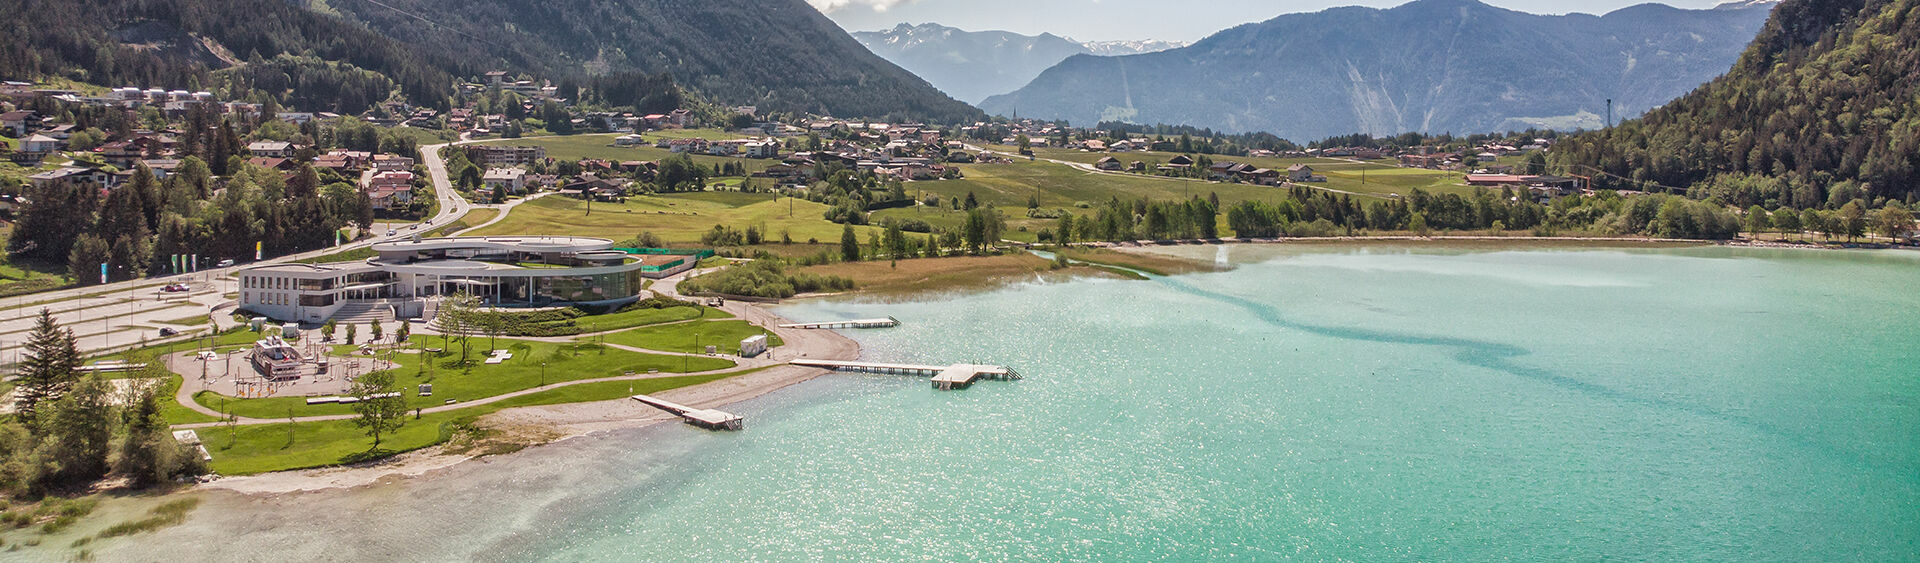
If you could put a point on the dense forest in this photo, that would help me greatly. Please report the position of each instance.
(1822, 109)
(780, 55)
(181, 44)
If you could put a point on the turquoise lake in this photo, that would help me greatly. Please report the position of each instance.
(1316, 403)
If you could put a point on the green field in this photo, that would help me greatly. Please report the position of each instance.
(562, 362)
(1380, 177)
(600, 146)
(679, 218)
(260, 448)
(692, 337)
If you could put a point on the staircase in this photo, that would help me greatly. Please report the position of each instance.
(364, 312)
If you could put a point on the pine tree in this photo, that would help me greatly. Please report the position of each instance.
(47, 371)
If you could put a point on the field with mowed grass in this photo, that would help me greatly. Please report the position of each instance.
(575, 147)
(691, 337)
(679, 218)
(1380, 177)
(244, 450)
(920, 275)
(476, 380)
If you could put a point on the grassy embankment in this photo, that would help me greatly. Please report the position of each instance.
(1379, 177)
(692, 337)
(1156, 264)
(678, 218)
(961, 273)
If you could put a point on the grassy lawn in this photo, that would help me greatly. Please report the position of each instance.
(1376, 177)
(473, 217)
(20, 279)
(642, 317)
(678, 218)
(563, 362)
(190, 321)
(348, 255)
(261, 448)
(692, 337)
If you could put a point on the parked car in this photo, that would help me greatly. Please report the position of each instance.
(175, 288)
(224, 263)
(391, 232)
(165, 332)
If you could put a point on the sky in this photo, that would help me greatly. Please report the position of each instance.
(1104, 20)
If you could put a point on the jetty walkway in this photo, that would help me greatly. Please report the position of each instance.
(856, 323)
(956, 376)
(705, 418)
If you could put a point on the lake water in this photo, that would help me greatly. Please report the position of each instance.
(1365, 403)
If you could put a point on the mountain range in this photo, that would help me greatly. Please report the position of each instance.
(971, 65)
(345, 55)
(1430, 65)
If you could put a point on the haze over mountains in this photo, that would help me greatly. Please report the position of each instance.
(1431, 65)
(971, 65)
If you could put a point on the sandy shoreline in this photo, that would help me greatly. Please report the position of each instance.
(545, 424)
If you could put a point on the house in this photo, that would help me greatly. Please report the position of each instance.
(1107, 163)
(762, 149)
(1433, 160)
(387, 190)
(1299, 173)
(162, 167)
(71, 174)
(629, 140)
(1095, 145)
(513, 180)
(343, 161)
(62, 131)
(1226, 170)
(270, 149)
(686, 146)
(16, 121)
(1180, 161)
(272, 163)
(502, 155)
(591, 186)
(39, 144)
(1262, 176)
(392, 163)
(1496, 180)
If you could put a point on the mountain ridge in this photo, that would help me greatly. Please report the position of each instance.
(1429, 65)
(971, 65)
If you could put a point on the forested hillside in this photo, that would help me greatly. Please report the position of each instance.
(183, 44)
(776, 54)
(1822, 108)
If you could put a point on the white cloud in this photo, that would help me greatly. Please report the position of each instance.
(831, 6)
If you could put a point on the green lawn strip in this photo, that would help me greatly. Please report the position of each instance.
(681, 337)
(478, 380)
(192, 320)
(173, 411)
(260, 448)
(643, 317)
(679, 218)
(349, 255)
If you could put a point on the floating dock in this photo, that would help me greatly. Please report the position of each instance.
(705, 418)
(956, 376)
(888, 322)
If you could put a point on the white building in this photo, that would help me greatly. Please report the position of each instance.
(501, 271)
(512, 179)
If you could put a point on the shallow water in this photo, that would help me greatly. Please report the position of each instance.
(1318, 403)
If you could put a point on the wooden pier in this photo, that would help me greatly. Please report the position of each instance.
(705, 418)
(956, 376)
(888, 322)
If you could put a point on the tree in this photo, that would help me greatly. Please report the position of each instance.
(83, 262)
(456, 320)
(47, 371)
(376, 330)
(1786, 221)
(1757, 220)
(849, 245)
(148, 453)
(896, 241)
(1853, 219)
(77, 434)
(326, 330)
(405, 331)
(1893, 221)
(1810, 220)
(380, 409)
(352, 330)
(1418, 224)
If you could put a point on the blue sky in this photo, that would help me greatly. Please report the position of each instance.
(1177, 20)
